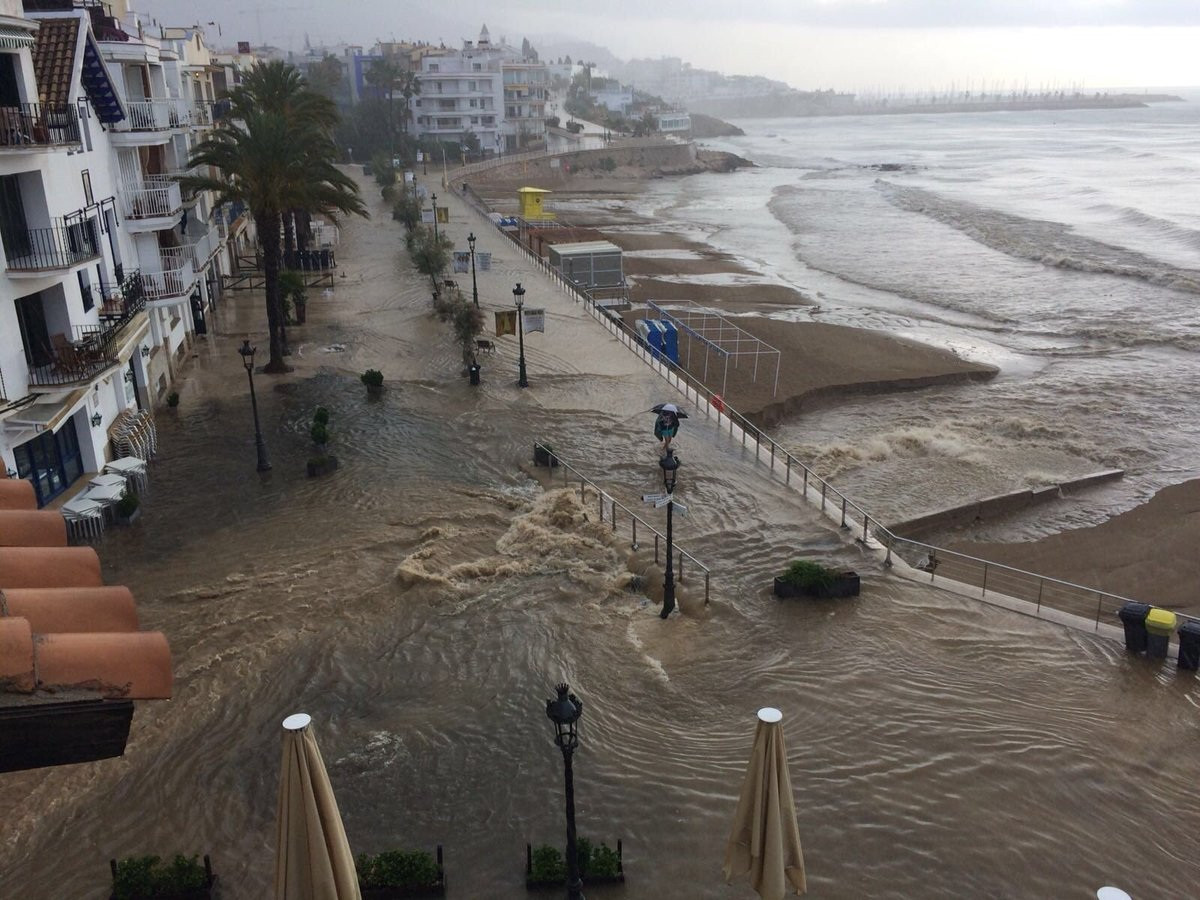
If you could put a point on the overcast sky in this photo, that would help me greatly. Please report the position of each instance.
(842, 44)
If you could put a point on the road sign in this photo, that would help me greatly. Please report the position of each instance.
(679, 507)
(654, 498)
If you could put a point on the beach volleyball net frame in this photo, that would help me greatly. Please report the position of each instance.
(716, 334)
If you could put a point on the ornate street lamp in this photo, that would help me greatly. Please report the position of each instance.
(670, 467)
(519, 300)
(564, 711)
(247, 352)
(474, 284)
(435, 234)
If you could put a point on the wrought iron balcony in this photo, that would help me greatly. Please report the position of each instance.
(174, 279)
(156, 197)
(155, 115)
(61, 246)
(33, 125)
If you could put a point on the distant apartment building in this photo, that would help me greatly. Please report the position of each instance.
(108, 266)
(483, 89)
(615, 100)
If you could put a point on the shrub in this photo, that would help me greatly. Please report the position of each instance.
(407, 211)
(319, 434)
(321, 415)
(806, 574)
(548, 864)
(372, 378)
(430, 254)
(173, 399)
(608, 164)
(603, 862)
(128, 504)
(142, 877)
(397, 868)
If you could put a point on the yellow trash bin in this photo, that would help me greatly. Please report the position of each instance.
(1160, 623)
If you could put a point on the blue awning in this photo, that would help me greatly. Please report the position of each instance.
(98, 85)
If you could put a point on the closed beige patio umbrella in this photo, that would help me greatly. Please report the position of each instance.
(765, 840)
(312, 858)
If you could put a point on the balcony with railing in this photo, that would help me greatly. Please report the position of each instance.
(173, 279)
(154, 116)
(38, 126)
(64, 244)
(155, 202)
(204, 248)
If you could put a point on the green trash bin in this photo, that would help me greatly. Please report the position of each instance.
(1160, 623)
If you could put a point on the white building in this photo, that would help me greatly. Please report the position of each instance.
(104, 259)
(483, 89)
(462, 93)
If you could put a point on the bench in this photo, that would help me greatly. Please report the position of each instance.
(488, 346)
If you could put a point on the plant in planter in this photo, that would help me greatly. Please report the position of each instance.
(805, 578)
(546, 867)
(401, 873)
(373, 379)
(321, 462)
(173, 399)
(543, 455)
(148, 878)
(128, 507)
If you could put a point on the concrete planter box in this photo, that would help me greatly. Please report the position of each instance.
(845, 584)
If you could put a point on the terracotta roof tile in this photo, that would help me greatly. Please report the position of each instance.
(35, 567)
(130, 664)
(32, 528)
(54, 58)
(75, 610)
(16, 655)
(17, 493)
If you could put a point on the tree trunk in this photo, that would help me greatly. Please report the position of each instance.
(289, 231)
(268, 236)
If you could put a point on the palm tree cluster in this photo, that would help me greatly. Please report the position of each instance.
(275, 153)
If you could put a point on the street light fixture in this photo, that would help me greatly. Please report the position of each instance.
(564, 711)
(474, 284)
(519, 299)
(247, 352)
(670, 467)
(435, 234)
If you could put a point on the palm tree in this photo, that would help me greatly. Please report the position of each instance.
(275, 154)
(384, 75)
(409, 87)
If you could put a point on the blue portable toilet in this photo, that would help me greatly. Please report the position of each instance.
(651, 331)
(670, 341)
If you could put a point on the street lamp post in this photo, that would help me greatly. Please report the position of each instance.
(435, 234)
(474, 283)
(564, 711)
(670, 466)
(519, 299)
(247, 352)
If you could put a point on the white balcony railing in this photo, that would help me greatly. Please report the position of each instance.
(155, 115)
(155, 197)
(204, 247)
(174, 278)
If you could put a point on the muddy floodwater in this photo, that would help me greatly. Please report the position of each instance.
(421, 602)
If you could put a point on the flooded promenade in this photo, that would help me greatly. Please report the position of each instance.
(421, 602)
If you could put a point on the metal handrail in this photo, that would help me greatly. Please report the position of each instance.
(1044, 591)
(634, 518)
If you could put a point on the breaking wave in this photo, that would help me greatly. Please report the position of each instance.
(1050, 243)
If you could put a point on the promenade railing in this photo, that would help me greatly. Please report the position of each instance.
(1040, 595)
(608, 505)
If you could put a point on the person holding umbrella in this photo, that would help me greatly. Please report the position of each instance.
(666, 426)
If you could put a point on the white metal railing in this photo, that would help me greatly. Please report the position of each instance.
(175, 277)
(155, 115)
(153, 198)
(204, 247)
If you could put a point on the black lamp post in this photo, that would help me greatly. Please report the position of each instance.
(519, 299)
(435, 219)
(474, 284)
(247, 352)
(670, 466)
(564, 711)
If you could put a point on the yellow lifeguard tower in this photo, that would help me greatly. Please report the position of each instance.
(531, 200)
